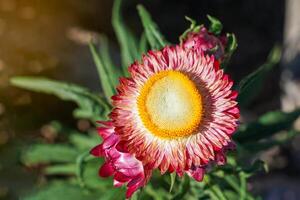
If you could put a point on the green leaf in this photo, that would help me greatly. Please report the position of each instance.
(231, 43)
(258, 165)
(62, 191)
(172, 181)
(80, 160)
(217, 191)
(243, 186)
(156, 193)
(255, 146)
(61, 169)
(113, 194)
(155, 38)
(125, 38)
(231, 46)
(184, 188)
(106, 83)
(265, 126)
(212, 195)
(91, 106)
(91, 178)
(251, 85)
(133, 45)
(232, 181)
(143, 45)
(215, 25)
(112, 71)
(136, 195)
(48, 153)
(193, 28)
(231, 195)
(83, 142)
(235, 184)
(275, 117)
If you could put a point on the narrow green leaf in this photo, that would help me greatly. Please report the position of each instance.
(90, 105)
(258, 165)
(172, 181)
(62, 190)
(112, 194)
(212, 195)
(231, 43)
(155, 38)
(231, 46)
(217, 191)
(48, 153)
(215, 25)
(233, 182)
(231, 195)
(243, 187)
(136, 195)
(274, 117)
(184, 188)
(83, 142)
(112, 71)
(143, 45)
(90, 176)
(265, 126)
(133, 45)
(255, 147)
(125, 38)
(156, 193)
(251, 85)
(193, 28)
(79, 166)
(107, 85)
(61, 169)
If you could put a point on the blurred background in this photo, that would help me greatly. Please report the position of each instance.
(49, 38)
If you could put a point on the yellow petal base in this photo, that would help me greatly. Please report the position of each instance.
(170, 105)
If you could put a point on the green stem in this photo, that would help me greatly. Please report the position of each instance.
(79, 165)
(243, 187)
(216, 189)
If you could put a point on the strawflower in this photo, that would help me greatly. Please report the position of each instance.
(175, 113)
(207, 42)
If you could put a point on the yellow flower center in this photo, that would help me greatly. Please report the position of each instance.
(170, 105)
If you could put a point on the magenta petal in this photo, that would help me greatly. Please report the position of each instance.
(121, 147)
(131, 172)
(133, 185)
(206, 42)
(220, 158)
(231, 146)
(131, 165)
(118, 183)
(125, 167)
(103, 132)
(110, 141)
(136, 181)
(130, 191)
(106, 170)
(96, 151)
(121, 177)
(197, 173)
